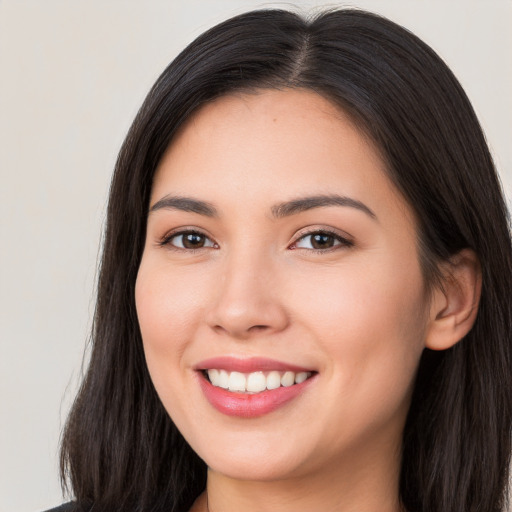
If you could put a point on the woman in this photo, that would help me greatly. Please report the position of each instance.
(304, 292)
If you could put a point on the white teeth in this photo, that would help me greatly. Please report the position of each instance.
(255, 382)
(288, 379)
(237, 381)
(213, 375)
(220, 377)
(223, 381)
(273, 380)
(301, 377)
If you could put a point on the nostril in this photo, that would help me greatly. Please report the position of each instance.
(258, 327)
(253, 329)
(219, 329)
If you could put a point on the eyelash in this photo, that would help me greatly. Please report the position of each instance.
(342, 241)
(166, 240)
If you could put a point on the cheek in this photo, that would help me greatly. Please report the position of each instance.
(360, 298)
(168, 309)
(371, 323)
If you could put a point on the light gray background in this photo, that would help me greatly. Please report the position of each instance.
(72, 76)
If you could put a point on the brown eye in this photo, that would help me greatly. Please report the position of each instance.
(190, 240)
(321, 240)
(193, 241)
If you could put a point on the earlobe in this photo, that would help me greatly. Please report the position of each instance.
(454, 306)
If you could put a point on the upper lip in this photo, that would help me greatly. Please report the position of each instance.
(248, 365)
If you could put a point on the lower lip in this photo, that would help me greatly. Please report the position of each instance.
(246, 405)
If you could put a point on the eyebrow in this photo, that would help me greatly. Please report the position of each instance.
(308, 203)
(285, 209)
(185, 204)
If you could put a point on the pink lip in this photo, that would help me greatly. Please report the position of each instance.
(253, 364)
(245, 405)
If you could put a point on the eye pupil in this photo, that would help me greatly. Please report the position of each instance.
(193, 240)
(321, 241)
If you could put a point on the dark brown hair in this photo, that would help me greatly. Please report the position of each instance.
(121, 450)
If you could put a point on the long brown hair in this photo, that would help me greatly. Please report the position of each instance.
(120, 448)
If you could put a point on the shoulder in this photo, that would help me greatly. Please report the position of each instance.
(66, 507)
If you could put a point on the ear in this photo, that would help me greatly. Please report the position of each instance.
(454, 305)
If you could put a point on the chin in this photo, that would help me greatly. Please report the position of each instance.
(255, 471)
(254, 462)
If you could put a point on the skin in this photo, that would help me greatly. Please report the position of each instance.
(358, 313)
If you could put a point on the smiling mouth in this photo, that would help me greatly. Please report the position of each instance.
(254, 382)
(253, 387)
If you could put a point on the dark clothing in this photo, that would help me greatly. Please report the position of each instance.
(67, 507)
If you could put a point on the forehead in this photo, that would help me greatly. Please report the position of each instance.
(266, 115)
(274, 145)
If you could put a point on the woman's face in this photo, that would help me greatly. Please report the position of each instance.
(278, 250)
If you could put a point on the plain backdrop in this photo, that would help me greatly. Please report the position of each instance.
(72, 76)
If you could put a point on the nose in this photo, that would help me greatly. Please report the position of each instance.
(247, 302)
